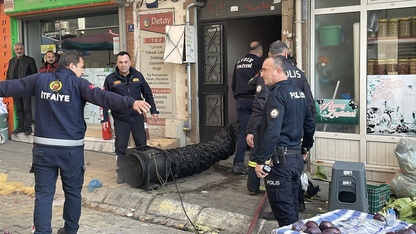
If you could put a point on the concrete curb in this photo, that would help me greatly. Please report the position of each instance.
(131, 202)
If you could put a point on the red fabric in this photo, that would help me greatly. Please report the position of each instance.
(47, 67)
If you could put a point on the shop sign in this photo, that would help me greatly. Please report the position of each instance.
(337, 111)
(391, 104)
(19, 6)
(46, 48)
(8, 5)
(157, 73)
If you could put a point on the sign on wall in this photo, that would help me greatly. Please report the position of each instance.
(337, 111)
(158, 74)
(391, 105)
(19, 6)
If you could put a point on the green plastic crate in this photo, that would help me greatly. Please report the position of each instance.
(378, 196)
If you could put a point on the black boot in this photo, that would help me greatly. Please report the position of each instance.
(120, 176)
(253, 182)
(18, 130)
(268, 215)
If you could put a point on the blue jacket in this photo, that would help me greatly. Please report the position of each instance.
(60, 98)
(286, 119)
(133, 85)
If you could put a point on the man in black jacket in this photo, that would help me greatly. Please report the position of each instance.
(286, 135)
(129, 82)
(20, 67)
(280, 49)
(244, 70)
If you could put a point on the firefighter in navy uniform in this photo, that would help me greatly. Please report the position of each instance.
(58, 143)
(286, 134)
(244, 70)
(129, 82)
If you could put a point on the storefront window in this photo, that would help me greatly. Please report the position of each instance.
(332, 3)
(391, 72)
(95, 37)
(97, 48)
(336, 66)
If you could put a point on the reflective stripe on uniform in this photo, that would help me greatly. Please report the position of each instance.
(251, 163)
(57, 142)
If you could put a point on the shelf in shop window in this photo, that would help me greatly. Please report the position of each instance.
(391, 40)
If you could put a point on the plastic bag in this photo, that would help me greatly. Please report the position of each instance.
(406, 155)
(94, 184)
(404, 184)
(304, 181)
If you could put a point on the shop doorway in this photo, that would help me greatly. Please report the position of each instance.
(222, 44)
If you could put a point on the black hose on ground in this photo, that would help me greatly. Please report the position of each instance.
(147, 167)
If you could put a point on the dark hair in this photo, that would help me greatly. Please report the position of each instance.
(122, 53)
(68, 58)
(50, 51)
(278, 48)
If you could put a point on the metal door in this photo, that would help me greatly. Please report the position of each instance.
(213, 84)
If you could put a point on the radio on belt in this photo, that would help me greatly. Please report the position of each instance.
(267, 168)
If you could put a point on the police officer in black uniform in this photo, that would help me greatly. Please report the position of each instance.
(244, 70)
(277, 48)
(58, 143)
(286, 134)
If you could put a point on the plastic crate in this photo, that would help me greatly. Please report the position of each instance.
(378, 196)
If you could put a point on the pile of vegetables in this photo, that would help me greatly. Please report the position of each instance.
(405, 206)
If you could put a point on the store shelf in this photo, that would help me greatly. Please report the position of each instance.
(391, 40)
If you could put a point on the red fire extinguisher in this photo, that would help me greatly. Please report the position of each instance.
(146, 129)
(107, 132)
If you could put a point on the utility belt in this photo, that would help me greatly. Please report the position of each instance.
(281, 153)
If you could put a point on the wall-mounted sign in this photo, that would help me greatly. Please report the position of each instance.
(337, 111)
(130, 27)
(391, 105)
(21, 6)
(159, 75)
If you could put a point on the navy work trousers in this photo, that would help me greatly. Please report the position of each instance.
(244, 108)
(48, 161)
(282, 186)
(122, 131)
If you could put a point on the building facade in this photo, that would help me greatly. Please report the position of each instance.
(359, 57)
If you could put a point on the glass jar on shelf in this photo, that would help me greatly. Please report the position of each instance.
(391, 67)
(370, 66)
(412, 67)
(393, 27)
(405, 27)
(380, 67)
(382, 28)
(413, 19)
(403, 66)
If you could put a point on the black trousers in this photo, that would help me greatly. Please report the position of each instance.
(282, 186)
(122, 131)
(23, 111)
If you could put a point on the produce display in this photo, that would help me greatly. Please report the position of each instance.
(376, 224)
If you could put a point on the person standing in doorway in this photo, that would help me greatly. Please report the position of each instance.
(286, 135)
(244, 70)
(21, 66)
(50, 62)
(58, 142)
(127, 81)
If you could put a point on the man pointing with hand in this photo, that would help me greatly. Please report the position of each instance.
(58, 142)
